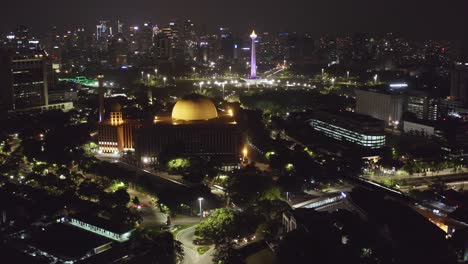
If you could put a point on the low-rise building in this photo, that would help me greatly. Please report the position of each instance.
(361, 130)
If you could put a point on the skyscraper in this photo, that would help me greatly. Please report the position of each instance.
(103, 34)
(24, 78)
(459, 82)
(253, 61)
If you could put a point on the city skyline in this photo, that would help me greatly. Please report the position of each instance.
(413, 20)
(216, 132)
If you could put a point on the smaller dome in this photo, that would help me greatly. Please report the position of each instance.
(116, 107)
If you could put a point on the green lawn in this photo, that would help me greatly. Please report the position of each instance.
(203, 250)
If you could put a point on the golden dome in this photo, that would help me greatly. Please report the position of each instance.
(194, 107)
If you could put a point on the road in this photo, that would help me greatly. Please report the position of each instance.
(186, 237)
(162, 176)
(153, 218)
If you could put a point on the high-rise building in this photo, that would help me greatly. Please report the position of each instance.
(226, 43)
(383, 104)
(422, 105)
(118, 50)
(162, 44)
(24, 79)
(103, 35)
(459, 82)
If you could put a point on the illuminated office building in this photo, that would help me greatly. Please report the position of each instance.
(381, 103)
(24, 79)
(361, 130)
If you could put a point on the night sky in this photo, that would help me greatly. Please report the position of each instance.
(447, 19)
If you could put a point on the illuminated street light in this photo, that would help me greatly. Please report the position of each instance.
(323, 71)
(201, 85)
(244, 153)
(223, 83)
(375, 78)
(193, 69)
(155, 71)
(230, 69)
(200, 200)
(164, 79)
(347, 74)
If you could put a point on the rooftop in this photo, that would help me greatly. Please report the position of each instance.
(103, 223)
(66, 242)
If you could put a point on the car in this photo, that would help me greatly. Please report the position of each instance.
(200, 241)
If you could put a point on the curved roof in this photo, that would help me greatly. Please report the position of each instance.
(194, 107)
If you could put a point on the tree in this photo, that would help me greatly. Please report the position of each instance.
(89, 189)
(220, 225)
(225, 253)
(248, 186)
(156, 248)
(124, 215)
(121, 197)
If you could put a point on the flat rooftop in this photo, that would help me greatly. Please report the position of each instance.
(65, 241)
(383, 89)
(349, 115)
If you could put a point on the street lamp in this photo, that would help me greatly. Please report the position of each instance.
(230, 69)
(201, 85)
(323, 71)
(375, 78)
(244, 153)
(347, 74)
(142, 73)
(223, 83)
(148, 76)
(200, 200)
(164, 79)
(155, 71)
(193, 69)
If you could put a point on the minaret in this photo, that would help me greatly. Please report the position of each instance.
(101, 97)
(253, 61)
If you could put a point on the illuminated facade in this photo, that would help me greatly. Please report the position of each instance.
(354, 128)
(24, 78)
(194, 129)
(253, 59)
(382, 104)
(116, 134)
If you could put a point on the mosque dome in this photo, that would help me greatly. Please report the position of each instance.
(194, 107)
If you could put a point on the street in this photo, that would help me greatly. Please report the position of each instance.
(186, 237)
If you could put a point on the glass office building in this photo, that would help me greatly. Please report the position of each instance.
(358, 129)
